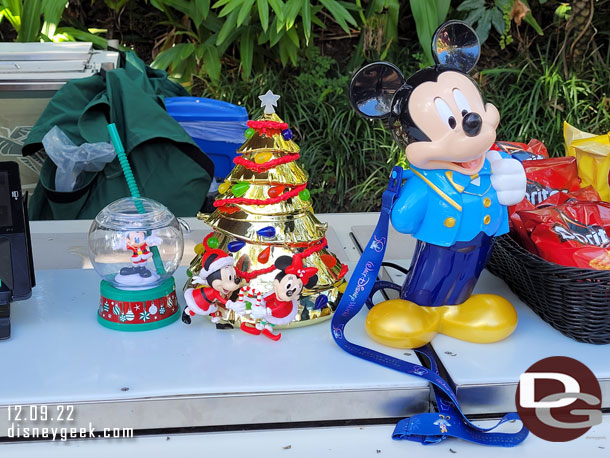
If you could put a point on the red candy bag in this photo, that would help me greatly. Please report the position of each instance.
(509, 147)
(546, 177)
(517, 226)
(534, 150)
(572, 234)
(537, 148)
(588, 194)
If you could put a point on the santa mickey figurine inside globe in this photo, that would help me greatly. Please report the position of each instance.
(139, 244)
(135, 245)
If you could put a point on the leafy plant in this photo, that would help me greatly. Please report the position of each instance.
(379, 30)
(500, 15)
(202, 33)
(67, 33)
(189, 48)
(428, 16)
(582, 99)
(259, 30)
(38, 20)
(563, 11)
(114, 5)
(32, 19)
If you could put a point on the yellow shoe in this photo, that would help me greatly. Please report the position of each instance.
(483, 318)
(403, 324)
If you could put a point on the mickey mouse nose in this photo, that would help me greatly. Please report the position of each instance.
(472, 124)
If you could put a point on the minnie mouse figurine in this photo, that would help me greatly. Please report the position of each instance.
(454, 198)
(282, 304)
(220, 281)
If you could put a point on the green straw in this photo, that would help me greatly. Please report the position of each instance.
(133, 188)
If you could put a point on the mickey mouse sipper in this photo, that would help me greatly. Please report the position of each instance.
(454, 197)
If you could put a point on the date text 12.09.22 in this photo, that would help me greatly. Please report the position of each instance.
(41, 412)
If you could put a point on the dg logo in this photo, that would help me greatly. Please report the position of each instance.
(559, 399)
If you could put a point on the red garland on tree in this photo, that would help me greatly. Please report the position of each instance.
(267, 128)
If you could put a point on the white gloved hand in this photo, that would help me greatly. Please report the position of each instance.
(237, 307)
(197, 280)
(153, 240)
(507, 178)
(258, 311)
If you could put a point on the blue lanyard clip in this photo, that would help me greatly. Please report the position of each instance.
(387, 200)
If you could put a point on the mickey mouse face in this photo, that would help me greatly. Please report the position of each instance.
(226, 281)
(136, 239)
(460, 127)
(438, 113)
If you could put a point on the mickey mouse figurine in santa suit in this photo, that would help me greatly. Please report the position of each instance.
(219, 279)
(138, 243)
(280, 306)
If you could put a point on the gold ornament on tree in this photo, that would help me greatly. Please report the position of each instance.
(282, 272)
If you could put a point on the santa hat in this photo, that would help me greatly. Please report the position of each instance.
(221, 260)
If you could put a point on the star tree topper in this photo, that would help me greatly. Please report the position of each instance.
(269, 100)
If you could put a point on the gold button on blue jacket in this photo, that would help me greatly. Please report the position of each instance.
(429, 199)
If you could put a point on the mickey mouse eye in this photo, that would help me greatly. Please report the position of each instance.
(288, 285)
(461, 102)
(445, 112)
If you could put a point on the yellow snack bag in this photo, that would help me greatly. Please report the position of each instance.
(592, 153)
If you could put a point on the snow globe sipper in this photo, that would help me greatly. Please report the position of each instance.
(135, 245)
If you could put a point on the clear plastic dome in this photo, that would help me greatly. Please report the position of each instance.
(133, 250)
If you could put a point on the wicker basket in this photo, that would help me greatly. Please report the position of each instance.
(574, 301)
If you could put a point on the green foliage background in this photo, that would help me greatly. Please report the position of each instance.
(306, 51)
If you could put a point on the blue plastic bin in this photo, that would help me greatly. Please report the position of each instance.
(217, 127)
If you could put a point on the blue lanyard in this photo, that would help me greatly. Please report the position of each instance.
(427, 428)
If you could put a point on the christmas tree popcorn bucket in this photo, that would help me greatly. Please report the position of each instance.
(266, 265)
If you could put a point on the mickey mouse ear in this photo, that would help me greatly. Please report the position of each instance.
(372, 89)
(456, 44)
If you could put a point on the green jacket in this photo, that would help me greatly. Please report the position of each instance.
(167, 164)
